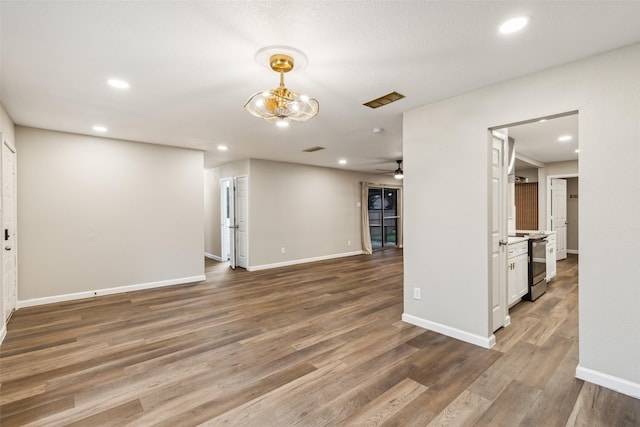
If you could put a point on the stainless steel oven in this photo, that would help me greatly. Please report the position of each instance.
(537, 268)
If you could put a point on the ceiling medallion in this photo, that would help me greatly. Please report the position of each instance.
(281, 105)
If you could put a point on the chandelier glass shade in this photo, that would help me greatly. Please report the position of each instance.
(281, 104)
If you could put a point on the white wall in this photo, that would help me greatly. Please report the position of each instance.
(97, 213)
(439, 201)
(561, 168)
(310, 211)
(211, 213)
(8, 133)
(530, 174)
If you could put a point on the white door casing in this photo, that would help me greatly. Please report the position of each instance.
(559, 215)
(498, 231)
(551, 257)
(242, 235)
(232, 228)
(9, 232)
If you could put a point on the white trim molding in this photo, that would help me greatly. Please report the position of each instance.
(301, 261)
(212, 256)
(609, 381)
(572, 251)
(108, 291)
(486, 342)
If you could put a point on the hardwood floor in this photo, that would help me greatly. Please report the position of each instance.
(309, 345)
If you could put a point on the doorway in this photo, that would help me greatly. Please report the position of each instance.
(226, 187)
(234, 231)
(562, 212)
(384, 216)
(543, 150)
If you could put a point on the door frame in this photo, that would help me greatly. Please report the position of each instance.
(230, 231)
(490, 192)
(548, 194)
(12, 148)
(399, 212)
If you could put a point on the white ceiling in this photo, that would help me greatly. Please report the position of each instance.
(191, 66)
(538, 140)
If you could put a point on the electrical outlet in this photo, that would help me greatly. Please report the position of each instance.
(348, 242)
(282, 250)
(416, 293)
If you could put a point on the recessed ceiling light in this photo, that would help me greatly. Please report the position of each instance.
(377, 130)
(577, 150)
(99, 128)
(223, 147)
(342, 161)
(119, 84)
(513, 25)
(565, 138)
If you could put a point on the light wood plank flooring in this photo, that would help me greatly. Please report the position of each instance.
(309, 345)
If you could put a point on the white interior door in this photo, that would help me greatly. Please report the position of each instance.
(559, 215)
(242, 236)
(498, 230)
(226, 200)
(9, 254)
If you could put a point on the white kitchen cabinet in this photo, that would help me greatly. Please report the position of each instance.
(511, 282)
(522, 275)
(517, 264)
(551, 256)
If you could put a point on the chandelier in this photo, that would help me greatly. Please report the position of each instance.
(281, 105)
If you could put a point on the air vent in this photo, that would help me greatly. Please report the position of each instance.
(312, 149)
(384, 100)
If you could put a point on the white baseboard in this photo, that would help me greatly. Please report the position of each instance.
(572, 251)
(486, 342)
(212, 256)
(609, 381)
(97, 292)
(301, 261)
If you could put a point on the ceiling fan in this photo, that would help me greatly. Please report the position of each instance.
(398, 173)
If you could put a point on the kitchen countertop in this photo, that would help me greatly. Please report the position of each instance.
(517, 239)
(512, 239)
(545, 232)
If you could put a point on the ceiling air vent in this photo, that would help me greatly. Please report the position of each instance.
(384, 100)
(312, 149)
